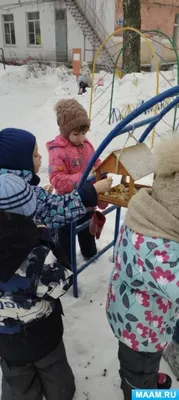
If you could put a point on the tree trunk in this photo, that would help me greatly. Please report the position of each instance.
(131, 53)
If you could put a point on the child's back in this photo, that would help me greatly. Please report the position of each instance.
(31, 327)
(30, 295)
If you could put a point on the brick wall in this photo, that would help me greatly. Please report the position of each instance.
(156, 14)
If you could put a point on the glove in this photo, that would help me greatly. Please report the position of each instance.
(96, 224)
(102, 205)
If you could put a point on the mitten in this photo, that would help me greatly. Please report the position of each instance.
(102, 205)
(96, 224)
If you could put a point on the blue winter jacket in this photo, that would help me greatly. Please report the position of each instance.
(143, 294)
(31, 283)
(55, 210)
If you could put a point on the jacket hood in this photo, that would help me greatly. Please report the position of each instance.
(60, 141)
(18, 236)
(29, 177)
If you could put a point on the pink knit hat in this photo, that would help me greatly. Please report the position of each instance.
(71, 116)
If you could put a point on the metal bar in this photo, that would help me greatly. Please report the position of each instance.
(117, 224)
(139, 124)
(93, 20)
(118, 215)
(119, 129)
(73, 259)
(106, 248)
(161, 115)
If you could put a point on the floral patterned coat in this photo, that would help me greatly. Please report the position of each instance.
(143, 294)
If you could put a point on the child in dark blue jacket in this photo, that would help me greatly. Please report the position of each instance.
(19, 155)
(34, 362)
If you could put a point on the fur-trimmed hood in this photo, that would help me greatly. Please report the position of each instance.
(155, 212)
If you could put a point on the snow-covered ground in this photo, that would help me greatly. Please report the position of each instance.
(27, 102)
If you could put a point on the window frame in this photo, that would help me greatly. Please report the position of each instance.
(176, 30)
(34, 21)
(11, 25)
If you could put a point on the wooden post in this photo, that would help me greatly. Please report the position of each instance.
(131, 187)
(98, 175)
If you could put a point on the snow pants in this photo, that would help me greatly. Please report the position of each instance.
(176, 332)
(82, 88)
(138, 370)
(86, 240)
(50, 377)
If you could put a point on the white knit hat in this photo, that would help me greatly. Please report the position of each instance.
(167, 155)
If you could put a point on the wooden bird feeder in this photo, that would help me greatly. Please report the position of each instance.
(132, 163)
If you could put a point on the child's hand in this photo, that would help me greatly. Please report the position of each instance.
(48, 188)
(103, 186)
(91, 174)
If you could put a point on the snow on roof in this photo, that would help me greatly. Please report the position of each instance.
(137, 160)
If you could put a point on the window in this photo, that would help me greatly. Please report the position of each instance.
(60, 14)
(9, 29)
(34, 35)
(176, 31)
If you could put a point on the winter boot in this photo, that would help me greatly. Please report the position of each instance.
(171, 356)
(163, 381)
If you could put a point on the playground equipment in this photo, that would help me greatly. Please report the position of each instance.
(117, 115)
(128, 124)
(100, 50)
(112, 113)
(158, 32)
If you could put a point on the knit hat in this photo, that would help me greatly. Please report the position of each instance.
(16, 149)
(16, 195)
(71, 116)
(84, 64)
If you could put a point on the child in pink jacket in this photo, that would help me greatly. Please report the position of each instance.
(69, 154)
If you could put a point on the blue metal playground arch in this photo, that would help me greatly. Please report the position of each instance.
(123, 127)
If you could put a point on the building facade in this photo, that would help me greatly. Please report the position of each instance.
(50, 29)
(47, 28)
(155, 14)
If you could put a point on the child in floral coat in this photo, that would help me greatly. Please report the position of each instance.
(143, 296)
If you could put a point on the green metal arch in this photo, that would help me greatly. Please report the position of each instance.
(116, 63)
